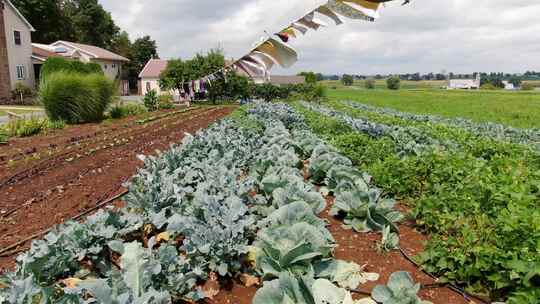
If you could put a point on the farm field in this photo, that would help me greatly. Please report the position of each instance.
(47, 179)
(300, 202)
(518, 109)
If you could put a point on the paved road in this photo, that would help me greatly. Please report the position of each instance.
(4, 119)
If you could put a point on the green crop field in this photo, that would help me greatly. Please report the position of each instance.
(518, 109)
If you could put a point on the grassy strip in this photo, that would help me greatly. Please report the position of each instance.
(518, 109)
(481, 212)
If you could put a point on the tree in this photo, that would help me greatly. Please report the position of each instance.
(320, 76)
(393, 83)
(309, 76)
(174, 76)
(143, 49)
(516, 81)
(347, 80)
(370, 84)
(93, 24)
(48, 18)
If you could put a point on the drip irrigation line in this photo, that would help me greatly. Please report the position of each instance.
(467, 296)
(9, 251)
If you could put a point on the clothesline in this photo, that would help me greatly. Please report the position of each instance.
(274, 49)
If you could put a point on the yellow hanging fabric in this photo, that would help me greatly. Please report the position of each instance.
(324, 10)
(281, 53)
(367, 4)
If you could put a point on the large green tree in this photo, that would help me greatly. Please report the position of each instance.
(93, 24)
(49, 18)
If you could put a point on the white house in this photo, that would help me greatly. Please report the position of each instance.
(509, 86)
(464, 84)
(15, 50)
(149, 76)
(110, 63)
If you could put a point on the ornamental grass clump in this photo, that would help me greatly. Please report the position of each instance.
(76, 98)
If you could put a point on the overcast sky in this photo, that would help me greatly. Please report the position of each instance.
(425, 36)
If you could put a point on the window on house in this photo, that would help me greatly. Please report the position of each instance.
(148, 87)
(17, 37)
(105, 66)
(21, 72)
(114, 65)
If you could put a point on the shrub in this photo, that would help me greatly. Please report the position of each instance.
(393, 83)
(370, 84)
(488, 86)
(347, 80)
(57, 64)
(76, 98)
(56, 124)
(165, 101)
(527, 87)
(121, 111)
(151, 100)
(25, 127)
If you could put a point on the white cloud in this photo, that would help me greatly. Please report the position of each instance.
(427, 35)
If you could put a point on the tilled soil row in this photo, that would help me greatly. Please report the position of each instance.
(69, 188)
(68, 147)
(361, 248)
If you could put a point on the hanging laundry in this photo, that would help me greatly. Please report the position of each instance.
(324, 10)
(311, 22)
(281, 53)
(289, 32)
(283, 37)
(347, 11)
(302, 29)
(368, 8)
(263, 59)
(250, 68)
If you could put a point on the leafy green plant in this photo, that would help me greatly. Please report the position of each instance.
(400, 289)
(366, 210)
(76, 98)
(151, 101)
(393, 83)
(389, 241)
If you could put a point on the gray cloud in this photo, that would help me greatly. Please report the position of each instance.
(428, 35)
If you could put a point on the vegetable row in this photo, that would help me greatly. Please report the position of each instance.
(227, 202)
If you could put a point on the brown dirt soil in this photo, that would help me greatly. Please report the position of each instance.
(80, 167)
(361, 249)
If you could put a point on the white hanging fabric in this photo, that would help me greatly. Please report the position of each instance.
(284, 55)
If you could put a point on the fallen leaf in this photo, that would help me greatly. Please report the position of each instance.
(249, 280)
(211, 287)
(71, 282)
(164, 236)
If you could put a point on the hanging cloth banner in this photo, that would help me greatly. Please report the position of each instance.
(311, 22)
(262, 59)
(348, 11)
(302, 29)
(324, 10)
(368, 8)
(284, 55)
(252, 69)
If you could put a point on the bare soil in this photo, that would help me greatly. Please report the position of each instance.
(45, 180)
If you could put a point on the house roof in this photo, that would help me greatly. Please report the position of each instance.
(278, 80)
(32, 29)
(153, 68)
(94, 51)
(42, 53)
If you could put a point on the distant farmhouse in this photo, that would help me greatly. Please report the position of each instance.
(464, 84)
(15, 50)
(110, 63)
(21, 60)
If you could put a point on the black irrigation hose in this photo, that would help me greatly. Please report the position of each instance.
(467, 296)
(11, 249)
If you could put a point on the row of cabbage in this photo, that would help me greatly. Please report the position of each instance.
(489, 129)
(409, 140)
(225, 202)
(479, 203)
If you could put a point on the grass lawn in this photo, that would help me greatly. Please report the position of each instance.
(518, 109)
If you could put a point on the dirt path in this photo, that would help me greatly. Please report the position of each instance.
(80, 167)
